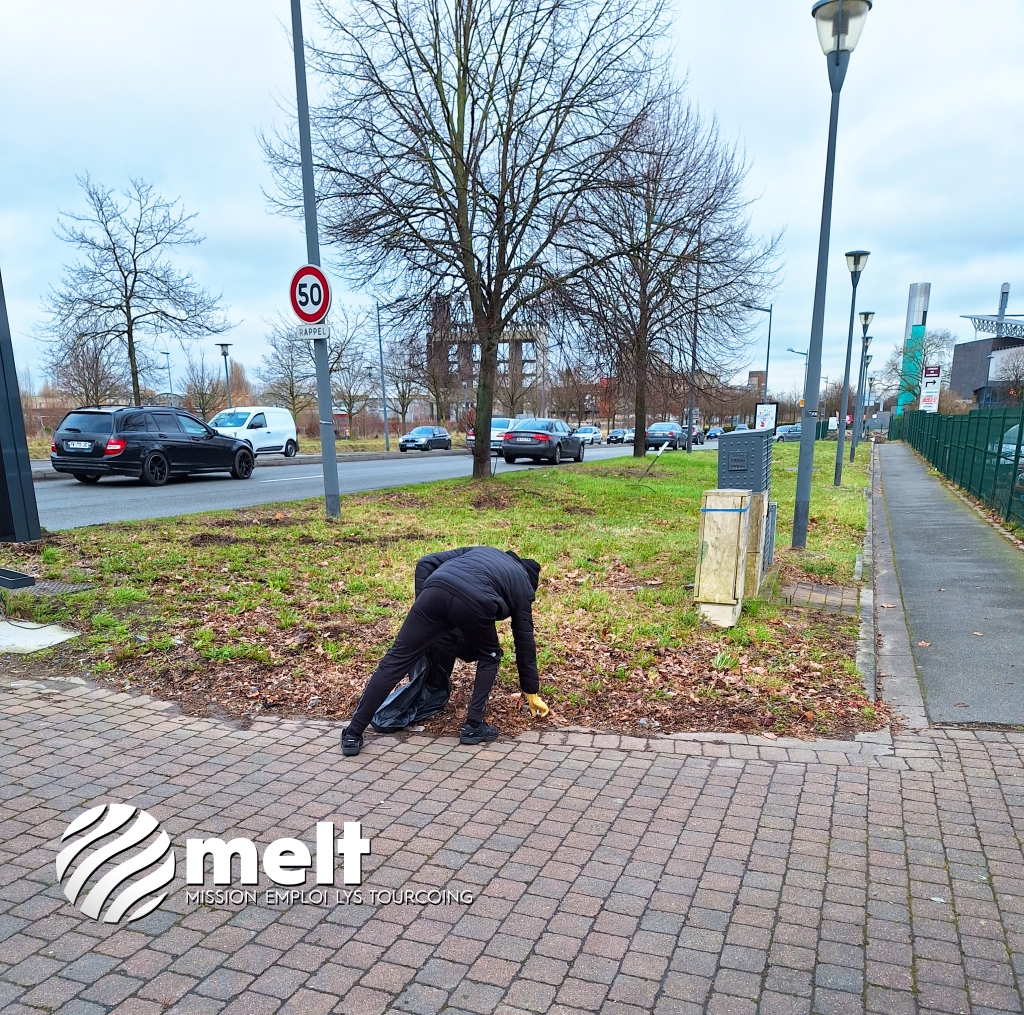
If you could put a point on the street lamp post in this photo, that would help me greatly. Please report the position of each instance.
(839, 24)
(224, 346)
(988, 370)
(800, 352)
(768, 355)
(856, 261)
(170, 385)
(866, 318)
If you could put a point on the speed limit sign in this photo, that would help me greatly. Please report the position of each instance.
(310, 294)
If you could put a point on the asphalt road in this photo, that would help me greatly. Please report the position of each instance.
(67, 504)
(963, 591)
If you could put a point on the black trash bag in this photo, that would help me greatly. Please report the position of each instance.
(428, 689)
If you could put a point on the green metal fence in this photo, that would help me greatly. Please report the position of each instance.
(979, 451)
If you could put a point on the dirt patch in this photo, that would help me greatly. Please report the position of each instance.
(212, 539)
(401, 537)
(493, 498)
(577, 509)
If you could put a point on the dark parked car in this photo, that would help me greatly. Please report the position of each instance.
(698, 434)
(426, 438)
(151, 443)
(714, 433)
(671, 434)
(781, 431)
(615, 436)
(542, 440)
(793, 433)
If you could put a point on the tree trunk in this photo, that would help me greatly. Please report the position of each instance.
(639, 400)
(132, 359)
(487, 334)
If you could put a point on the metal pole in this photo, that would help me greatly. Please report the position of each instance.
(768, 354)
(324, 402)
(19, 515)
(988, 370)
(844, 403)
(227, 373)
(837, 64)
(858, 404)
(693, 352)
(170, 383)
(383, 386)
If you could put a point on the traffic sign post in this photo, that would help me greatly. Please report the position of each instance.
(310, 297)
(313, 310)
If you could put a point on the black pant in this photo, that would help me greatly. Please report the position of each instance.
(435, 614)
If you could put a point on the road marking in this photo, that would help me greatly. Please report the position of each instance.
(290, 479)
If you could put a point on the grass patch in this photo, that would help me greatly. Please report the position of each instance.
(277, 609)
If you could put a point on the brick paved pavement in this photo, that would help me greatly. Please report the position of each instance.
(611, 875)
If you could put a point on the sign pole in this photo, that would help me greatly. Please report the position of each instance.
(324, 401)
(383, 385)
(19, 516)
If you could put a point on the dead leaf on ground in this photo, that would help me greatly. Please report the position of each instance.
(924, 644)
(888, 606)
(977, 634)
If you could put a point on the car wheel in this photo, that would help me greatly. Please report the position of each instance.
(291, 449)
(510, 459)
(579, 455)
(448, 446)
(556, 458)
(243, 464)
(155, 470)
(400, 448)
(87, 477)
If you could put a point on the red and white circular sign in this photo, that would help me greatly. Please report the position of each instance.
(310, 293)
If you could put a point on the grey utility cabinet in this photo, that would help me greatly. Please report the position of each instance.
(745, 461)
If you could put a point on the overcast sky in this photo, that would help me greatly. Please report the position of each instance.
(928, 171)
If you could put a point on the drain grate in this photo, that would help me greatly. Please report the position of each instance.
(50, 588)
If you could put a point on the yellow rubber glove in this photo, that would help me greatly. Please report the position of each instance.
(537, 706)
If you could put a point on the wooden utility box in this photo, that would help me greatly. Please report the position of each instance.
(722, 554)
(755, 544)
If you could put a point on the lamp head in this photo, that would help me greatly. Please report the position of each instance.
(857, 260)
(867, 363)
(867, 341)
(866, 317)
(839, 23)
(224, 346)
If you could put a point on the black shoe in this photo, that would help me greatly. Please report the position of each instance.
(351, 743)
(478, 733)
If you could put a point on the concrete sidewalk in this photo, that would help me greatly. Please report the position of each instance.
(963, 591)
(609, 875)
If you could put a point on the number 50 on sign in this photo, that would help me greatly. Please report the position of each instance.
(310, 294)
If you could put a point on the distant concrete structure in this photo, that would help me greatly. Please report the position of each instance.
(913, 345)
(1005, 333)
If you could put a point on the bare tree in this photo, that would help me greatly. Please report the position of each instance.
(286, 372)
(458, 140)
(667, 300)
(936, 350)
(402, 370)
(205, 391)
(125, 287)
(1011, 370)
(352, 381)
(87, 371)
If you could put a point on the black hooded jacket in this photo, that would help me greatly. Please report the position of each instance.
(497, 584)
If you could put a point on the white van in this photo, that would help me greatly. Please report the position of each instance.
(268, 429)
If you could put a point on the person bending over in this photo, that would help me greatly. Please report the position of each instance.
(468, 589)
